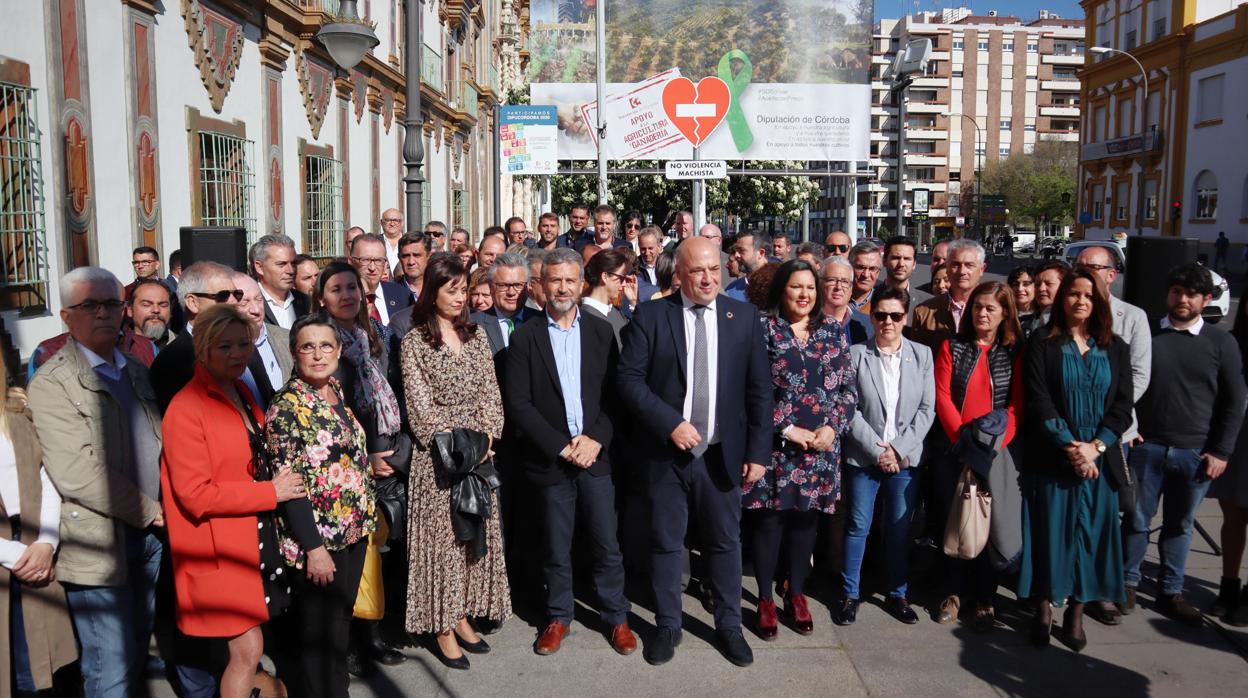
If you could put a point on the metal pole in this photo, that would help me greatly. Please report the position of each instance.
(600, 58)
(699, 199)
(851, 203)
(1139, 199)
(899, 97)
(498, 158)
(413, 125)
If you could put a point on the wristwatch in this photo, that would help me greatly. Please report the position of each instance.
(1098, 445)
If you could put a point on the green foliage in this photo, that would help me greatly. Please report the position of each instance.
(657, 197)
(1034, 183)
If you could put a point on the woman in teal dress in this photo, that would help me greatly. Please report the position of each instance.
(1078, 379)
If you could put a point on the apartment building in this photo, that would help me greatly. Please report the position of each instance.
(1169, 159)
(995, 85)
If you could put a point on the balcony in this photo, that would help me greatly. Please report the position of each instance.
(1065, 110)
(325, 7)
(464, 97)
(1062, 60)
(1070, 85)
(431, 72)
(1064, 136)
(496, 84)
(1130, 145)
(930, 82)
(912, 184)
(927, 107)
(926, 159)
(926, 134)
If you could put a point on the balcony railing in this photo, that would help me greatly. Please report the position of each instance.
(431, 72)
(496, 84)
(326, 7)
(467, 97)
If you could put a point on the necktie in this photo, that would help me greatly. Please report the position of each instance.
(511, 325)
(700, 416)
(372, 307)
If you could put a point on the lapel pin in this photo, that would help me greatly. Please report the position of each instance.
(729, 315)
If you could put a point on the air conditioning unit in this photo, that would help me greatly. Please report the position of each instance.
(1044, 14)
(992, 13)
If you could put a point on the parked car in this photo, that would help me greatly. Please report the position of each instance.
(1217, 309)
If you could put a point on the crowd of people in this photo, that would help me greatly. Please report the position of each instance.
(324, 461)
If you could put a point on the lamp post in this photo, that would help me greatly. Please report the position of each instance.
(347, 39)
(1139, 199)
(979, 181)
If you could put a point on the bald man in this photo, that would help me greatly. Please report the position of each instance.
(701, 436)
(391, 231)
(711, 232)
(837, 243)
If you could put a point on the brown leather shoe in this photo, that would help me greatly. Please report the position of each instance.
(1128, 606)
(1179, 609)
(623, 640)
(269, 685)
(552, 638)
(948, 611)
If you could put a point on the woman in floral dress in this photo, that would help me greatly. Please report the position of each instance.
(311, 430)
(815, 396)
(448, 374)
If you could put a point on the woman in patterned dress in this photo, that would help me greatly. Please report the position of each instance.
(312, 430)
(815, 397)
(448, 374)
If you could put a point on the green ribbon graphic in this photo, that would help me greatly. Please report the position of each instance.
(737, 123)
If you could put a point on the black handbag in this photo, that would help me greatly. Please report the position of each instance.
(461, 453)
(392, 490)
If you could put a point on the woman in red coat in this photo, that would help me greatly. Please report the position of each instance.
(219, 500)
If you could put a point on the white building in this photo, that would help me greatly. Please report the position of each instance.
(124, 120)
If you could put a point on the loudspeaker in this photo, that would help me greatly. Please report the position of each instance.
(226, 246)
(1149, 261)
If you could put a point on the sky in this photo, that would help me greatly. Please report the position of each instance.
(1026, 9)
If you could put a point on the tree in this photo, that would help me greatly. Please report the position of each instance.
(1034, 184)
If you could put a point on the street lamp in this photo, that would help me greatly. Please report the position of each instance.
(1139, 199)
(979, 181)
(347, 39)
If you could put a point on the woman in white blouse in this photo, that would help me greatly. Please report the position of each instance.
(884, 446)
(34, 620)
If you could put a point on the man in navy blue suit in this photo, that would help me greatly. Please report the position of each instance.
(385, 298)
(694, 373)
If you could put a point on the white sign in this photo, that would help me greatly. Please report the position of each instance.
(529, 140)
(697, 169)
(637, 125)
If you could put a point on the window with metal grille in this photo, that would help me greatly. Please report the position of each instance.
(23, 245)
(322, 206)
(226, 182)
(460, 215)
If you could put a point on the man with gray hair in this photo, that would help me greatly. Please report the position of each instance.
(867, 261)
(711, 232)
(937, 319)
(100, 434)
(203, 285)
(272, 262)
(509, 278)
(536, 300)
(750, 252)
(837, 277)
(271, 362)
(436, 230)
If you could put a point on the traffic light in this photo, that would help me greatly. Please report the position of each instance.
(1176, 211)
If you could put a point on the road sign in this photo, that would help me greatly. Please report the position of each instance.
(697, 169)
(1085, 217)
(960, 221)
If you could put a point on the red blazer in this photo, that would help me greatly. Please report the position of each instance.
(210, 501)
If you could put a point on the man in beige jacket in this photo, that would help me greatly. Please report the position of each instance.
(95, 413)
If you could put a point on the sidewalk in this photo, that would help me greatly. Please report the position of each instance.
(1148, 655)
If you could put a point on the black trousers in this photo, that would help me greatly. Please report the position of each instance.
(593, 499)
(700, 489)
(977, 579)
(317, 628)
(767, 529)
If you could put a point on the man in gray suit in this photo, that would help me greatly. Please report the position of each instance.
(883, 449)
(271, 362)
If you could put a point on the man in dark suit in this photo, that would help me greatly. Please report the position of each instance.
(578, 231)
(203, 285)
(604, 231)
(272, 261)
(368, 256)
(695, 376)
(560, 376)
(509, 276)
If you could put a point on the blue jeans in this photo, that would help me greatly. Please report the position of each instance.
(22, 677)
(1178, 475)
(900, 493)
(114, 624)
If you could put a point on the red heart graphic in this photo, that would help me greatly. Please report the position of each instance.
(696, 111)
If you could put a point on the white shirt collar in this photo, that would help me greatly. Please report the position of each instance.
(283, 304)
(597, 305)
(686, 303)
(264, 334)
(1194, 330)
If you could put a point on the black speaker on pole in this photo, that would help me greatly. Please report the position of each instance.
(223, 245)
(1149, 261)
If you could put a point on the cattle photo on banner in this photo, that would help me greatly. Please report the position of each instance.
(797, 74)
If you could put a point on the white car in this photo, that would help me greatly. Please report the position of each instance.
(1217, 309)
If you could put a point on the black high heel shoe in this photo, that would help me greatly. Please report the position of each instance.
(478, 647)
(1041, 627)
(460, 662)
(1068, 638)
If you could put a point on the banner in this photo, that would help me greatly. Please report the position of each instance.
(529, 139)
(797, 71)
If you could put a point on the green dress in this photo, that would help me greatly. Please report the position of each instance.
(1072, 540)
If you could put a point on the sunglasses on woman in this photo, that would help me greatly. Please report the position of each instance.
(881, 316)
